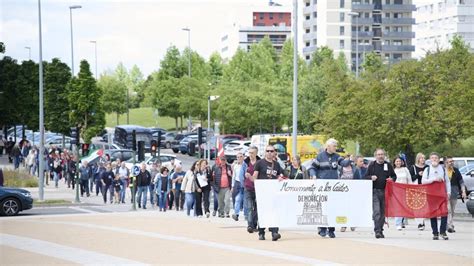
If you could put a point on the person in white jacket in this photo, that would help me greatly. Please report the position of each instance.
(189, 187)
(436, 173)
(403, 177)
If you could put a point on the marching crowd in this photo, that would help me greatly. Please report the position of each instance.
(232, 186)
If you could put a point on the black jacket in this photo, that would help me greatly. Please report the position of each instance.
(144, 178)
(382, 175)
(217, 175)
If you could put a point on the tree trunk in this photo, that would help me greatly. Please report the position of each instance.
(181, 128)
(23, 136)
(176, 123)
(118, 118)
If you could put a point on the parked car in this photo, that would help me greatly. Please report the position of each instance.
(163, 138)
(467, 173)
(123, 136)
(121, 154)
(103, 145)
(177, 139)
(184, 143)
(169, 137)
(213, 143)
(470, 204)
(235, 146)
(58, 142)
(459, 162)
(14, 200)
(149, 160)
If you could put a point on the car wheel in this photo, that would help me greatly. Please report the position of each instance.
(183, 152)
(10, 207)
(175, 150)
(168, 145)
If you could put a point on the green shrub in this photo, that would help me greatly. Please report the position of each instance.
(19, 179)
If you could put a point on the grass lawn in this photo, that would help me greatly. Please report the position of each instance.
(19, 179)
(142, 117)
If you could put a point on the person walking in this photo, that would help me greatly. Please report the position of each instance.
(117, 186)
(268, 168)
(85, 173)
(458, 188)
(379, 171)
(124, 174)
(416, 172)
(189, 187)
(203, 181)
(403, 177)
(248, 169)
(436, 173)
(143, 182)
(15, 154)
(162, 187)
(153, 172)
(107, 179)
(177, 180)
(222, 178)
(2, 145)
(296, 170)
(238, 185)
(325, 166)
(57, 169)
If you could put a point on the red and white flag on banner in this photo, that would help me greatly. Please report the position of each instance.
(220, 150)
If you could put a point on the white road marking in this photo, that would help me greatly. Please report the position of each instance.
(83, 210)
(71, 254)
(228, 247)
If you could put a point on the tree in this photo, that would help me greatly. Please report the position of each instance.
(165, 96)
(56, 104)
(114, 95)
(171, 66)
(10, 96)
(85, 103)
(216, 68)
(135, 80)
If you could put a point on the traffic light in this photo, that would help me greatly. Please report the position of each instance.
(74, 132)
(159, 138)
(141, 151)
(154, 147)
(200, 137)
(134, 140)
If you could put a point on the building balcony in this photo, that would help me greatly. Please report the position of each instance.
(310, 36)
(362, 48)
(308, 10)
(362, 7)
(398, 21)
(362, 21)
(362, 34)
(398, 48)
(395, 7)
(309, 23)
(309, 49)
(401, 35)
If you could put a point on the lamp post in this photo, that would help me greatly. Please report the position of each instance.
(95, 52)
(208, 139)
(189, 67)
(72, 45)
(356, 15)
(295, 77)
(41, 109)
(29, 52)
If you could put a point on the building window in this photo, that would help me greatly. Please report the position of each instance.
(341, 17)
(315, 42)
(387, 15)
(308, 3)
(307, 30)
(341, 30)
(315, 2)
(315, 28)
(261, 16)
(280, 15)
(398, 2)
(308, 17)
(341, 3)
(341, 44)
(270, 15)
(315, 14)
(225, 38)
(367, 15)
(397, 56)
(308, 57)
(387, 2)
(307, 44)
(397, 42)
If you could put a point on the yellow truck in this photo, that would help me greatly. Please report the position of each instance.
(308, 146)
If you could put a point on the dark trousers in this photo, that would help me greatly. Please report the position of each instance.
(443, 226)
(378, 205)
(198, 202)
(171, 199)
(216, 202)
(84, 187)
(205, 198)
(179, 199)
(251, 201)
(110, 189)
(98, 187)
(151, 189)
(325, 229)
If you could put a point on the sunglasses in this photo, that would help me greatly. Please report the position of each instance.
(270, 150)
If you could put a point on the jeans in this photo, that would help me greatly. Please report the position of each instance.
(398, 221)
(239, 198)
(378, 205)
(56, 179)
(84, 187)
(325, 229)
(123, 189)
(144, 190)
(171, 198)
(16, 161)
(189, 199)
(451, 207)
(216, 202)
(443, 226)
(224, 201)
(151, 189)
(179, 198)
(98, 187)
(110, 189)
(162, 196)
(252, 218)
(91, 186)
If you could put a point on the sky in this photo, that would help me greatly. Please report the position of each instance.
(132, 32)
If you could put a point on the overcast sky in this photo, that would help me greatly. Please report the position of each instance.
(132, 32)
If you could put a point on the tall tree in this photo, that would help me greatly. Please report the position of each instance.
(56, 104)
(216, 67)
(10, 96)
(85, 103)
(114, 95)
(135, 79)
(27, 85)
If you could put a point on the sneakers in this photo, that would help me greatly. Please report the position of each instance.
(378, 235)
(331, 234)
(250, 229)
(235, 217)
(275, 236)
(444, 236)
(353, 229)
(421, 227)
(207, 215)
(227, 216)
(435, 237)
(343, 229)
(399, 228)
(261, 237)
(322, 233)
(451, 230)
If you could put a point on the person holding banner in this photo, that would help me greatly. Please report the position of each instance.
(436, 173)
(326, 166)
(403, 177)
(379, 171)
(416, 172)
(268, 168)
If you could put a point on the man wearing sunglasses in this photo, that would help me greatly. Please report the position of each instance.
(268, 168)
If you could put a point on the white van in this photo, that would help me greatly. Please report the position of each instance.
(458, 161)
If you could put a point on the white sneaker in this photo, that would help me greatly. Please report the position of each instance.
(399, 228)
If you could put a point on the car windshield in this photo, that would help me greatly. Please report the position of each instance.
(466, 168)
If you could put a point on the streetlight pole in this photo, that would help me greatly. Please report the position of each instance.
(72, 45)
(208, 139)
(295, 77)
(189, 67)
(356, 15)
(29, 52)
(95, 52)
(41, 109)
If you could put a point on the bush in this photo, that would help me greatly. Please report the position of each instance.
(19, 179)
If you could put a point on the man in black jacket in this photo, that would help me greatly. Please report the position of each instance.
(143, 182)
(379, 171)
(457, 187)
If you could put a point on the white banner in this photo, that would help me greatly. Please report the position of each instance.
(308, 204)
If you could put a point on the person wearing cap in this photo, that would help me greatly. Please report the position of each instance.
(222, 181)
